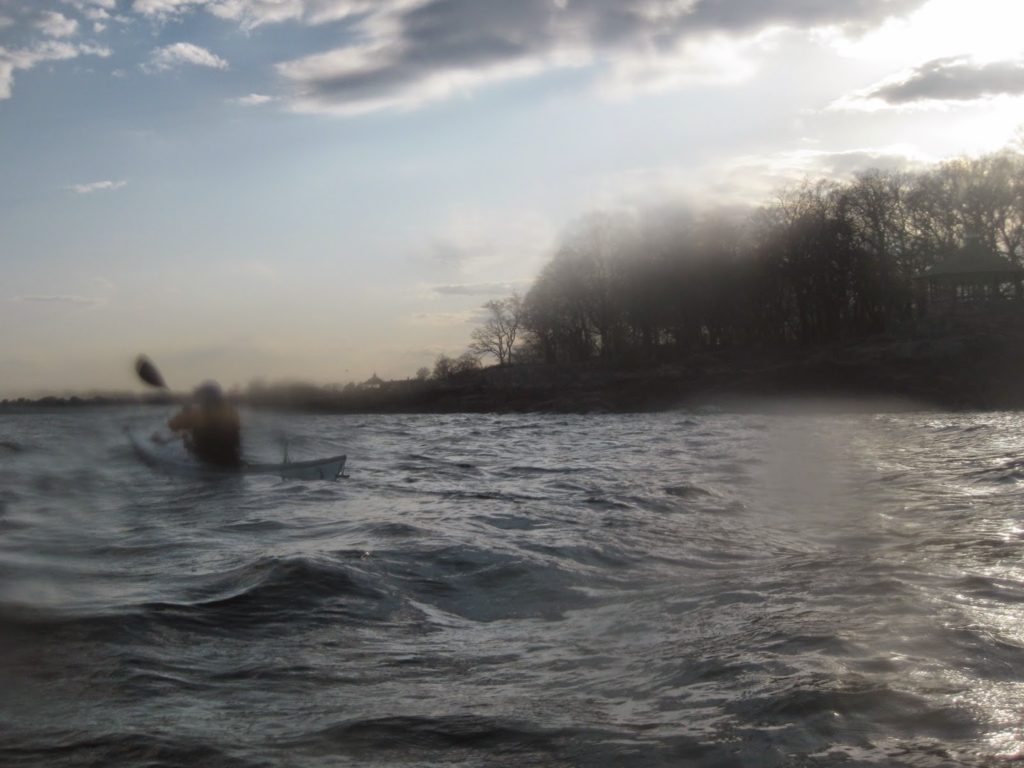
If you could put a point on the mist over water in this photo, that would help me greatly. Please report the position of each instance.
(669, 589)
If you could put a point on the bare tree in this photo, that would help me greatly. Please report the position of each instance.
(497, 336)
(444, 367)
(466, 362)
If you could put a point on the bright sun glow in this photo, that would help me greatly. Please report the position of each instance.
(987, 30)
(980, 31)
(988, 128)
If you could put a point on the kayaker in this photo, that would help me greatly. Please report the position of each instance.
(211, 427)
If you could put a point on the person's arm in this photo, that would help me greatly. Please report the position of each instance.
(183, 420)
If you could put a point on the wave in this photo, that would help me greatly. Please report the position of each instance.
(1010, 471)
(134, 749)
(528, 469)
(422, 733)
(468, 739)
(688, 491)
(281, 591)
(807, 707)
(485, 586)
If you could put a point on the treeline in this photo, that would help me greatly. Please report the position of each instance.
(823, 262)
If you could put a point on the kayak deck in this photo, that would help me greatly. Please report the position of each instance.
(173, 458)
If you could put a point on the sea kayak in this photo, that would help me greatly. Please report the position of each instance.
(172, 457)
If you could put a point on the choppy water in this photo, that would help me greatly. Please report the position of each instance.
(674, 589)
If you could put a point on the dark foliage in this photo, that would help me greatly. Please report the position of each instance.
(823, 263)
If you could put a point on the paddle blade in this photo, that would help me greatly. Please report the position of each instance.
(148, 372)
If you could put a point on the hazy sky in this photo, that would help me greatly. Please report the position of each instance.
(321, 189)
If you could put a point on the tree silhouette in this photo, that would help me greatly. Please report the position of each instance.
(501, 326)
(822, 262)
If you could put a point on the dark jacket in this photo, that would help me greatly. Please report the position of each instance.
(214, 434)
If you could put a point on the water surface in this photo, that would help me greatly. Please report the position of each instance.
(643, 590)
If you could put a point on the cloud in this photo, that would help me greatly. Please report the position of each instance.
(55, 24)
(165, 8)
(359, 80)
(748, 180)
(476, 247)
(402, 54)
(445, 319)
(85, 6)
(12, 60)
(252, 100)
(96, 186)
(457, 248)
(6, 78)
(99, 12)
(411, 52)
(951, 79)
(88, 301)
(178, 54)
(479, 289)
(255, 13)
(6, 21)
(717, 60)
(323, 11)
(840, 164)
(754, 179)
(105, 283)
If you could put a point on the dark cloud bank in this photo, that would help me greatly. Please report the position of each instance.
(404, 49)
(955, 79)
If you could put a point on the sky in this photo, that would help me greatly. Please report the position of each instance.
(319, 190)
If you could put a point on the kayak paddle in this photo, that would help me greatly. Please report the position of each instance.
(148, 372)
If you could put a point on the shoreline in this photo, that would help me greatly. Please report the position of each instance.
(970, 371)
